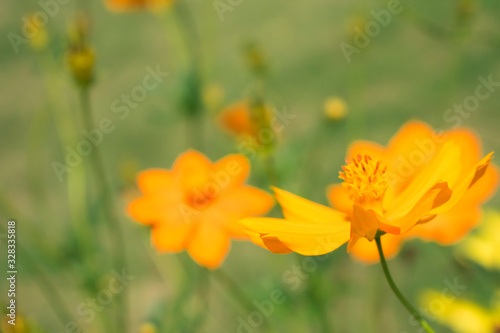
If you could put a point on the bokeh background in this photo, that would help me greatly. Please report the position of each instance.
(426, 60)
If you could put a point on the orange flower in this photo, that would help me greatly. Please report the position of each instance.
(241, 121)
(131, 5)
(412, 186)
(196, 205)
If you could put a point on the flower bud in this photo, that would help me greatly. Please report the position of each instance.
(335, 108)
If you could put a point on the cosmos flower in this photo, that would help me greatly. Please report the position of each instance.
(414, 181)
(462, 316)
(133, 5)
(242, 121)
(196, 205)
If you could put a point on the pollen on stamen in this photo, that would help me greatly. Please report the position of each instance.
(365, 178)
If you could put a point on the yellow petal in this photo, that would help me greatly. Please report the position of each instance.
(469, 180)
(155, 181)
(209, 244)
(434, 197)
(272, 244)
(299, 236)
(192, 169)
(153, 209)
(300, 209)
(364, 224)
(366, 251)
(240, 202)
(171, 237)
(230, 171)
(445, 167)
(338, 198)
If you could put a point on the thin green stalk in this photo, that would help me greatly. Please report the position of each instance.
(108, 208)
(270, 166)
(239, 295)
(50, 291)
(192, 99)
(203, 290)
(396, 291)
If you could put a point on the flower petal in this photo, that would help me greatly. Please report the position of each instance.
(240, 202)
(270, 243)
(153, 209)
(364, 224)
(230, 171)
(300, 209)
(192, 169)
(366, 251)
(171, 237)
(445, 167)
(300, 236)
(338, 197)
(434, 197)
(208, 244)
(465, 183)
(376, 151)
(157, 181)
(452, 226)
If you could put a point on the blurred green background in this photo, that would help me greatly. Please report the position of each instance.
(427, 59)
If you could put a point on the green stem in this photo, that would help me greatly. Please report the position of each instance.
(108, 207)
(239, 295)
(272, 175)
(396, 291)
(32, 261)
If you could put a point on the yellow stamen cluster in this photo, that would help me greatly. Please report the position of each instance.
(365, 178)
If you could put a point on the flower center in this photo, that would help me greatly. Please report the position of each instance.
(365, 178)
(199, 199)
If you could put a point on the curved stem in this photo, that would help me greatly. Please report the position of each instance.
(108, 209)
(396, 291)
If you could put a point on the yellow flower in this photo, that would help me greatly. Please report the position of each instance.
(484, 246)
(335, 108)
(196, 205)
(379, 193)
(460, 315)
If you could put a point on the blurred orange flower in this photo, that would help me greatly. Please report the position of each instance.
(131, 5)
(196, 205)
(239, 120)
(420, 177)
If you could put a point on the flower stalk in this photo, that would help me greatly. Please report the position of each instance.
(396, 291)
(108, 208)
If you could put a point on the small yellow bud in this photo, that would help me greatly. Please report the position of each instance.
(81, 62)
(465, 9)
(255, 58)
(335, 108)
(213, 96)
(39, 39)
(356, 24)
(148, 328)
